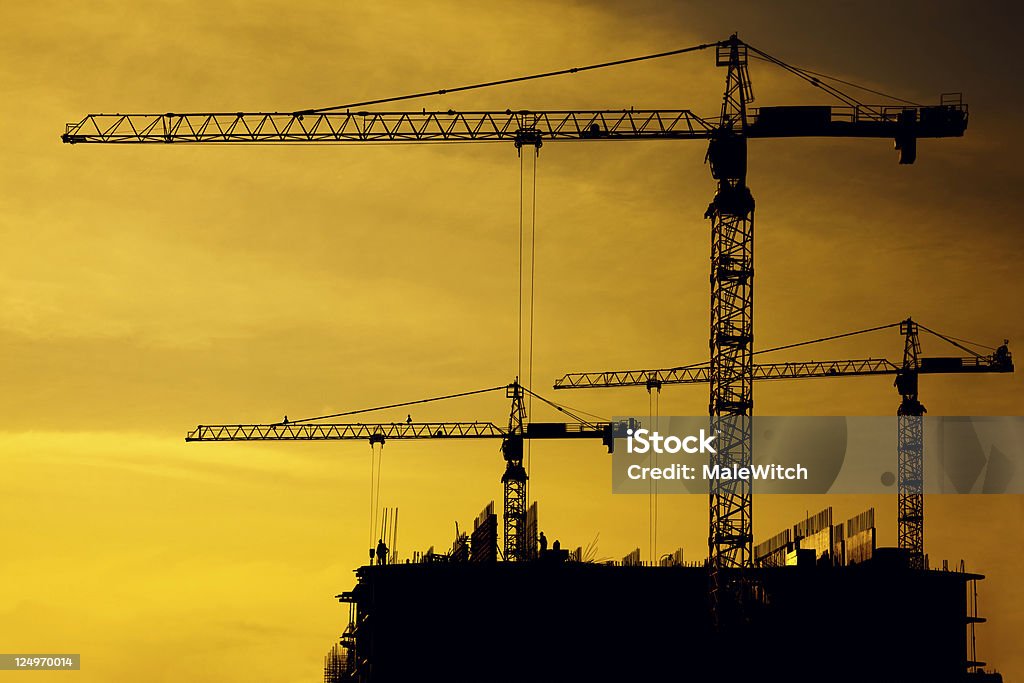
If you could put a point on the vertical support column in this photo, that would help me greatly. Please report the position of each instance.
(732, 333)
(910, 457)
(514, 479)
(730, 533)
(910, 484)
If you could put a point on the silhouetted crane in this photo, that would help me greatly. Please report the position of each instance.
(910, 468)
(512, 437)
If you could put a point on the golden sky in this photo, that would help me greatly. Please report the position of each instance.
(144, 290)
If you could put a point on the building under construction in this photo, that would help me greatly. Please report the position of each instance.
(823, 603)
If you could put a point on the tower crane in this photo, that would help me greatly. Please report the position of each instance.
(731, 212)
(512, 437)
(910, 466)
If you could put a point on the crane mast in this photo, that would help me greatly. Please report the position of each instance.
(514, 478)
(910, 452)
(730, 531)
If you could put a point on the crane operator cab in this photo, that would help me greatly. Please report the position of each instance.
(1002, 357)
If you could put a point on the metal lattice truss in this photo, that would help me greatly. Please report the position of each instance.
(446, 126)
(731, 378)
(337, 432)
(492, 126)
(731, 369)
(910, 485)
(700, 374)
(910, 454)
(514, 485)
(321, 431)
(514, 478)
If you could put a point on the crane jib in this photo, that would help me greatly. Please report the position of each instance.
(382, 432)
(700, 374)
(898, 123)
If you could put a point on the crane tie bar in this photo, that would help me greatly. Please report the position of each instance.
(517, 79)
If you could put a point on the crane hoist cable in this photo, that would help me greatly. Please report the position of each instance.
(519, 311)
(372, 519)
(519, 289)
(369, 538)
(524, 283)
(533, 280)
(527, 282)
(380, 466)
(653, 409)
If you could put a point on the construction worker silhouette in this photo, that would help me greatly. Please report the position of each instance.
(543, 542)
(382, 552)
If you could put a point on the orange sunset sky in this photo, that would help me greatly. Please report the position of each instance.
(147, 289)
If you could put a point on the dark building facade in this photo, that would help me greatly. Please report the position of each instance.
(559, 620)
